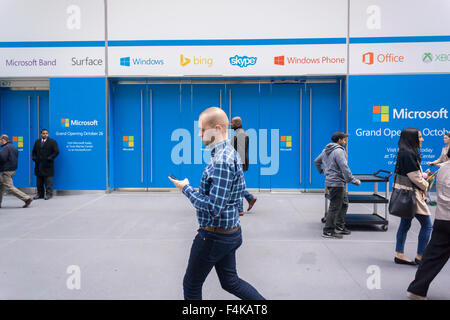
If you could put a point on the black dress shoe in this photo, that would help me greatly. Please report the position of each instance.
(38, 197)
(47, 196)
(27, 203)
(417, 261)
(251, 203)
(401, 261)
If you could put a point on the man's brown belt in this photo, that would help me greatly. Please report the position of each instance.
(220, 230)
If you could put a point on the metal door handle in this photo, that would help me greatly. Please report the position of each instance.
(220, 99)
(38, 116)
(29, 138)
(300, 142)
(142, 138)
(151, 135)
(230, 105)
(310, 132)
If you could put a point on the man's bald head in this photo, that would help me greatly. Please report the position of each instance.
(214, 116)
(213, 125)
(236, 123)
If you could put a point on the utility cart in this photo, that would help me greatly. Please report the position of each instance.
(369, 218)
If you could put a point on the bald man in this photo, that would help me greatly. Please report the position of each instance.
(241, 145)
(217, 204)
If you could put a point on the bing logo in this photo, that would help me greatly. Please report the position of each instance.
(18, 142)
(286, 141)
(128, 141)
(64, 123)
(380, 113)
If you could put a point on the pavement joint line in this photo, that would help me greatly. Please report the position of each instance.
(51, 221)
(346, 271)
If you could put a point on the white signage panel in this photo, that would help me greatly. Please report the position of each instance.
(392, 58)
(227, 60)
(52, 20)
(389, 18)
(226, 19)
(48, 62)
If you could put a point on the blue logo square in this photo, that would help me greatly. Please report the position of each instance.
(376, 117)
(125, 144)
(125, 61)
(283, 144)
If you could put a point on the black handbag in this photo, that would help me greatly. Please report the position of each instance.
(403, 201)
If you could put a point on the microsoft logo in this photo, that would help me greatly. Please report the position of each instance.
(64, 122)
(286, 141)
(18, 141)
(125, 61)
(279, 60)
(128, 141)
(380, 113)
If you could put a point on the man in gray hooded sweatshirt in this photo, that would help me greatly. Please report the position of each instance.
(333, 163)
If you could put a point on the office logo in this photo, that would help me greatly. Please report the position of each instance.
(184, 61)
(243, 62)
(367, 58)
(18, 141)
(285, 142)
(380, 113)
(427, 57)
(125, 61)
(64, 122)
(279, 60)
(128, 141)
(370, 58)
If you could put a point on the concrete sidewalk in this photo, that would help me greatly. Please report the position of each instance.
(136, 246)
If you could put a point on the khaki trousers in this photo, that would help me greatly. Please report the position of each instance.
(6, 185)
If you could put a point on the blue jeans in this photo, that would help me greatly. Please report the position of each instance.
(424, 235)
(213, 249)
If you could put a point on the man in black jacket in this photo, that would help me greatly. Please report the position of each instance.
(45, 151)
(241, 145)
(8, 166)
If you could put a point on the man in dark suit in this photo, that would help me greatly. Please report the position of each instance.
(241, 145)
(45, 151)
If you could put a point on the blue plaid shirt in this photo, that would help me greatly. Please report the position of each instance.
(221, 189)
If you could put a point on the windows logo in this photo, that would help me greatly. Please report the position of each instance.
(18, 142)
(286, 141)
(64, 123)
(128, 141)
(125, 61)
(380, 113)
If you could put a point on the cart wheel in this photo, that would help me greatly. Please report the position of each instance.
(384, 227)
(324, 220)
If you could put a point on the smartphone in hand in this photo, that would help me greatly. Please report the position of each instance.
(173, 177)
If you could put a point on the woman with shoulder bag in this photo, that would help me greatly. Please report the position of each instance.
(409, 176)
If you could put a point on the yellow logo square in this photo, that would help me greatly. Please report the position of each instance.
(384, 118)
(131, 143)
